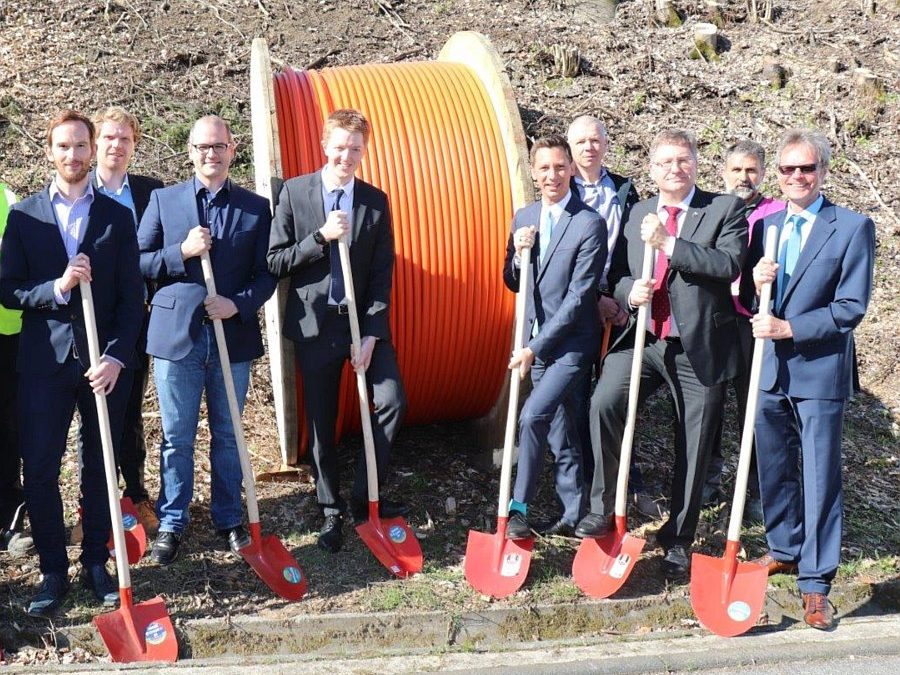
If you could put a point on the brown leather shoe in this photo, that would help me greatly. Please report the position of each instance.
(776, 566)
(817, 611)
(147, 514)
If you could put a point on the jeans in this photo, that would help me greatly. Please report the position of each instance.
(180, 385)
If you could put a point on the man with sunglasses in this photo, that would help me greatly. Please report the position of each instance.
(822, 275)
(699, 242)
(208, 213)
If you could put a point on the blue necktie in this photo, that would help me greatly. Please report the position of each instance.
(337, 276)
(544, 234)
(787, 260)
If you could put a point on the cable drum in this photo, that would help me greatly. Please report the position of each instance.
(448, 148)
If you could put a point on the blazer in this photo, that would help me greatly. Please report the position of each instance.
(708, 254)
(293, 252)
(563, 292)
(33, 256)
(825, 299)
(238, 257)
(141, 187)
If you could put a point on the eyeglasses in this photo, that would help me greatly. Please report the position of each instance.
(680, 162)
(789, 169)
(203, 148)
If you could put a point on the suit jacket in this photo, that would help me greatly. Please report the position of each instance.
(625, 191)
(238, 257)
(293, 252)
(33, 256)
(708, 254)
(141, 187)
(563, 290)
(825, 299)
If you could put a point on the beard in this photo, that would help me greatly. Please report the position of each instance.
(745, 192)
(73, 175)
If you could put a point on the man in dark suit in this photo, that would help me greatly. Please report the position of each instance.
(692, 345)
(118, 135)
(312, 214)
(612, 196)
(561, 325)
(206, 213)
(65, 234)
(822, 287)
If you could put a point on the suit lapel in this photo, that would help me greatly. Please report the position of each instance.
(359, 209)
(315, 201)
(47, 215)
(95, 221)
(189, 197)
(695, 214)
(823, 228)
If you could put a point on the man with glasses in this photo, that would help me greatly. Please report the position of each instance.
(208, 213)
(822, 276)
(699, 241)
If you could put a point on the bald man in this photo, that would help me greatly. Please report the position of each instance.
(206, 213)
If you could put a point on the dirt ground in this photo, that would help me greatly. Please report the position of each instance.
(170, 61)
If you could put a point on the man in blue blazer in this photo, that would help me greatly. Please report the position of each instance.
(822, 278)
(206, 213)
(65, 234)
(562, 327)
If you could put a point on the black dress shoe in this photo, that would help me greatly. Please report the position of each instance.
(237, 538)
(387, 508)
(50, 595)
(97, 580)
(676, 562)
(331, 536)
(165, 548)
(555, 528)
(517, 526)
(593, 526)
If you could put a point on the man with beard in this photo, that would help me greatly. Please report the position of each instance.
(699, 242)
(66, 234)
(744, 173)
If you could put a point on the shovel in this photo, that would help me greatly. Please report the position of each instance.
(134, 632)
(268, 557)
(727, 595)
(390, 539)
(602, 565)
(135, 535)
(495, 565)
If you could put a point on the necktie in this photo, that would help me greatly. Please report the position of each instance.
(544, 234)
(787, 258)
(660, 308)
(338, 294)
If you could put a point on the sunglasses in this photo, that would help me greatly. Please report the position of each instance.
(788, 170)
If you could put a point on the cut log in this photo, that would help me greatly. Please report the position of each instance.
(867, 83)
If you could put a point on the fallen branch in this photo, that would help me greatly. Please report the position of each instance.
(862, 174)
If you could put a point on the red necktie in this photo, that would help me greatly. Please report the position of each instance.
(660, 309)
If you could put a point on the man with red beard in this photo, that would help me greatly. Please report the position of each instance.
(55, 239)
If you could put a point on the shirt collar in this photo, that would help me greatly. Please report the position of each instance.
(602, 179)
(125, 185)
(200, 187)
(810, 212)
(55, 194)
(684, 204)
(556, 209)
(330, 186)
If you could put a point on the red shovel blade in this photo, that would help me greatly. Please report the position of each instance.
(495, 565)
(141, 632)
(135, 535)
(602, 565)
(274, 564)
(393, 543)
(727, 595)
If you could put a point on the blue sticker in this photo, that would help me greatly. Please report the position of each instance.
(129, 522)
(155, 633)
(397, 534)
(292, 574)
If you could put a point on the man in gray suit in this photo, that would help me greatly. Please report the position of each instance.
(569, 251)
(312, 214)
(700, 242)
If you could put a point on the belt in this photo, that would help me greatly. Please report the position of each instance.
(339, 309)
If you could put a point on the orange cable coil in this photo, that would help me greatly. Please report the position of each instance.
(436, 150)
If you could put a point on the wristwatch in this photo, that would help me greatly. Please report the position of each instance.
(319, 238)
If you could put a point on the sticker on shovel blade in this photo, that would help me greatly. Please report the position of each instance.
(397, 534)
(155, 634)
(129, 522)
(739, 611)
(292, 574)
(512, 563)
(620, 566)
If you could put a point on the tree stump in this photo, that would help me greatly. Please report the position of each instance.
(566, 61)
(706, 42)
(774, 72)
(867, 83)
(666, 14)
